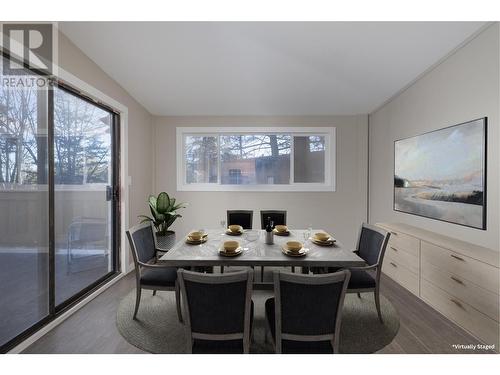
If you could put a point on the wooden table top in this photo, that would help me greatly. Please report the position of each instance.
(257, 253)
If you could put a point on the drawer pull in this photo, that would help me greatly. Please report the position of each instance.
(393, 248)
(457, 303)
(457, 257)
(457, 280)
(393, 264)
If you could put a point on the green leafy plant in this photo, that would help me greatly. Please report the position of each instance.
(163, 212)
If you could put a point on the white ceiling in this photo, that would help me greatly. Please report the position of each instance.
(277, 68)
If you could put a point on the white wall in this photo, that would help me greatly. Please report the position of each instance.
(139, 132)
(340, 212)
(463, 87)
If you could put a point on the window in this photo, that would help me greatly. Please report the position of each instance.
(256, 159)
(201, 158)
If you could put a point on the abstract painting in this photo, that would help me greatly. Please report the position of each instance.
(442, 174)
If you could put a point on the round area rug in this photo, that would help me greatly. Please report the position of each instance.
(157, 329)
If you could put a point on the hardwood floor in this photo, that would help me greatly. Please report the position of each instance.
(422, 329)
(93, 329)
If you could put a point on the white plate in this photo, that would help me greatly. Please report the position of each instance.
(329, 242)
(300, 253)
(238, 251)
(196, 242)
(287, 233)
(202, 237)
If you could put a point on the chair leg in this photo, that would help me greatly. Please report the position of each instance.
(154, 292)
(261, 274)
(377, 304)
(137, 300)
(293, 269)
(178, 301)
(359, 295)
(221, 269)
(335, 344)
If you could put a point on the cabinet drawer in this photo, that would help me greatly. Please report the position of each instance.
(479, 273)
(463, 314)
(404, 258)
(404, 242)
(400, 274)
(480, 298)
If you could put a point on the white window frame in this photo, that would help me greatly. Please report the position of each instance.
(330, 158)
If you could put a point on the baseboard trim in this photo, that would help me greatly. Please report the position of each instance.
(50, 326)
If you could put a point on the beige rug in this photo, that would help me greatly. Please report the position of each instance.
(157, 329)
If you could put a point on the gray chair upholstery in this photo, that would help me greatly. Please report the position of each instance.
(372, 242)
(218, 311)
(277, 217)
(149, 274)
(306, 313)
(162, 276)
(240, 217)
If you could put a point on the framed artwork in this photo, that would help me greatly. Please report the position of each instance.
(442, 174)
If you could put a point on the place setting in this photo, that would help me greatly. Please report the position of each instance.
(196, 237)
(281, 230)
(294, 249)
(230, 249)
(322, 239)
(234, 230)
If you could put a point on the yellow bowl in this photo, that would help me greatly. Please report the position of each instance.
(321, 236)
(235, 228)
(231, 246)
(281, 228)
(196, 236)
(294, 246)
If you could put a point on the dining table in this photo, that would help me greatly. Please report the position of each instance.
(255, 252)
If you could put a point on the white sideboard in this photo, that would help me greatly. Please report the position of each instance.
(458, 279)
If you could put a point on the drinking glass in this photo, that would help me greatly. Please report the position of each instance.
(251, 235)
(223, 225)
(306, 234)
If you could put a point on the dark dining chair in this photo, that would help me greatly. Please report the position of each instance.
(218, 311)
(240, 217)
(306, 313)
(372, 242)
(149, 274)
(278, 218)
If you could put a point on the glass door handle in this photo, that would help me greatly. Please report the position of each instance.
(109, 193)
(112, 193)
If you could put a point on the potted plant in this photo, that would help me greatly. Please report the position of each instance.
(163, 214)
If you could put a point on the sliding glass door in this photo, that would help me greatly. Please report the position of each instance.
(83, 174)
(59, 211)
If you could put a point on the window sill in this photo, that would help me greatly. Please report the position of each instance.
(258, 188)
